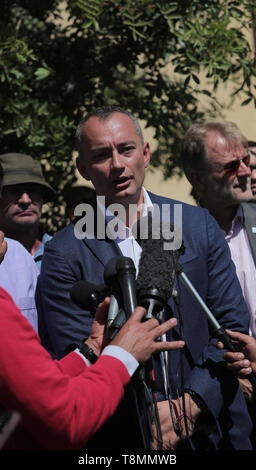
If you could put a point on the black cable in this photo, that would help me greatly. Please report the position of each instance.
(156, 413)
(157, 421)
(169, 395)
(141, 388)
(135, 399)
(176, 428)
(181, 332)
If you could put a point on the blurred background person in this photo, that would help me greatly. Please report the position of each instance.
(18, 273)
(215, 159)
(252, 151)
(23, 195)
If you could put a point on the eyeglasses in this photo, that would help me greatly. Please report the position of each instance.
(252, 167)
(233, 166)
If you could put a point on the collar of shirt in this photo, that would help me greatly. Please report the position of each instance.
(237, 224)
(39, 252)
(124, 232)
(127, 244)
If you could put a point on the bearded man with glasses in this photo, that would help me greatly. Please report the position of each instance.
(216, 161)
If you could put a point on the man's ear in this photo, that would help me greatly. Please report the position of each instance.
(81, 168)
(146, 152)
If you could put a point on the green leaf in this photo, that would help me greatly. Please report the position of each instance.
(41, 73)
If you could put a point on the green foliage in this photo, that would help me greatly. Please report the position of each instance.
(59, 60)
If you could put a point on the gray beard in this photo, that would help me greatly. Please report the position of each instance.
(224, 193)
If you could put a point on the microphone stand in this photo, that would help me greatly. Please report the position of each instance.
(218, 330)
(139, 388)
(124, 273)
(126, 277)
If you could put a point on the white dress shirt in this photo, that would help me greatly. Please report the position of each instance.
(125, 239)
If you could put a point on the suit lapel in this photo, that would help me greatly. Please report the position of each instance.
(104, 250)
(99, 244)
(189, 253)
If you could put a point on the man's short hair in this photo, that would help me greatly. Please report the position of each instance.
(103, 113)
(193, 152)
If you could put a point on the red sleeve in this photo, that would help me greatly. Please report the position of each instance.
(62, 410)
(72, 364)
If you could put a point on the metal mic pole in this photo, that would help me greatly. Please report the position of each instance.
(217, 328)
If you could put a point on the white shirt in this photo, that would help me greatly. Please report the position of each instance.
(119, 353)
(126, 241)
(18, 276)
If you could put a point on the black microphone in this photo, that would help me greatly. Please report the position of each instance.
(155, 281)
(126, 274)
(110, 279)
(87, 295)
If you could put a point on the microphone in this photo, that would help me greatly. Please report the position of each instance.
(155, 281)
(119, 275)
(87, 295)
(126, 273)
(112, 283)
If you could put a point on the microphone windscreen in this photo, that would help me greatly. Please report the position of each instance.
(156, 265)
(156, 270)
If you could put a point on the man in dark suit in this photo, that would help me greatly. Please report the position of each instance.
(114, 156)
(216, 162)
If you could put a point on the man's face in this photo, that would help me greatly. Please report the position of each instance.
(21, 205)
(227, 179)
(252, 152)
(114, 158)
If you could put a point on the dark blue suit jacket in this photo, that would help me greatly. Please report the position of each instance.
(208, 265)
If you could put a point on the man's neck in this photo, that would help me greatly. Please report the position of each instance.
(29, 238)
(133, 209)
(224, 216)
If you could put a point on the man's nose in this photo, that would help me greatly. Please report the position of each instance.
(25, 198)
(117, 160)
(243, 170)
